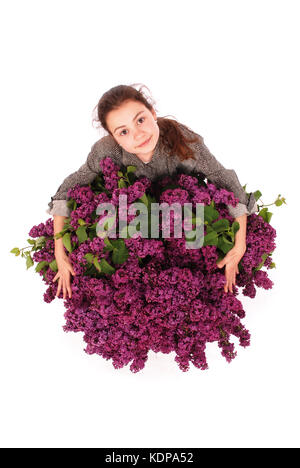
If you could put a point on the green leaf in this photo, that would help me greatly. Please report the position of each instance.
(15, 251)
(235, 226)
(209, 229)
(81, 222)
(90, 270)
(227, 241)
(130, 169)
(221, 225)
(100, 186)
(92, 234)
(264, 257)
(257, 195)
(210, 213)
(53, 265)
(81, 234)
(31, 241)
(122, 183)
(269, 216)
(120, 255)
(58, 235)
(89, 257)
(106, 267)
(120, 174)
(96, 263)
(72, 204)
(67, 241)
(40, 241)
(220, 257)
(265, 214)
(224, 245)
(117, 243)
(229, 234)
(131, 177)
(40, 265)
(108, 243)
(211, 238)
(29, 262)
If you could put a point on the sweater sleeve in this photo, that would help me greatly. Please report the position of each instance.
(106, 146)
(221, 177)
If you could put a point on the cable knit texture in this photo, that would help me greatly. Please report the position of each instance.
(160, 165)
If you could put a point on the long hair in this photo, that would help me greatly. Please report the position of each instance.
(170, 130)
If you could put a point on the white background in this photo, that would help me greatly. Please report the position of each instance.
(228, 70)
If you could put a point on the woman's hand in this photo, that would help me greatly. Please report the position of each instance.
(231, 261)
(64, 269)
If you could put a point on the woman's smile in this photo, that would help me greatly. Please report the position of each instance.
(145, 143)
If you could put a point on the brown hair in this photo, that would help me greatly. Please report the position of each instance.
(172, 136)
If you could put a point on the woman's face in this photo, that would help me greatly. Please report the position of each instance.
(133, 124)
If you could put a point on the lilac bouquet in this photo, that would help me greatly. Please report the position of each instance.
(133, 294)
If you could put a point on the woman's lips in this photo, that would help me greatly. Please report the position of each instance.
(145, 143)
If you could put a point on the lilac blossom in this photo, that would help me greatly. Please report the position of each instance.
(164, 297)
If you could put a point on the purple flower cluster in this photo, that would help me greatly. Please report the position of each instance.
(164, 297)
(42, 229)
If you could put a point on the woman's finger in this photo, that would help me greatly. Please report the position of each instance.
(68, 286)
(227, 276)
(71, 269)
(58, 288)
(229, 282)
(69, 291)
(64, 290)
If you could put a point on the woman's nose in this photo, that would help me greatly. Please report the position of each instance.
(139, 138)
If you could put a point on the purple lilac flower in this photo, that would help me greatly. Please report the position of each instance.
(164, 297)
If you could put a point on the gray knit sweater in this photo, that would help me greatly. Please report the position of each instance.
(161, 164)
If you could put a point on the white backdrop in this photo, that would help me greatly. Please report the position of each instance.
(228, 70)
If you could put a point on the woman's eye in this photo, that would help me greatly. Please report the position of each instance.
(121, 134)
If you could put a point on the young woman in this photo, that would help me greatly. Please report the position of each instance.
(157, 146)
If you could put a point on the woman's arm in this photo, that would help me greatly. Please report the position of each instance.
(221, 177)
(65, 268)
(240, 235)
(60, 208)
(234, 256)
(106, 146)
(84, 175)
(225, 178)
(58, 224)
